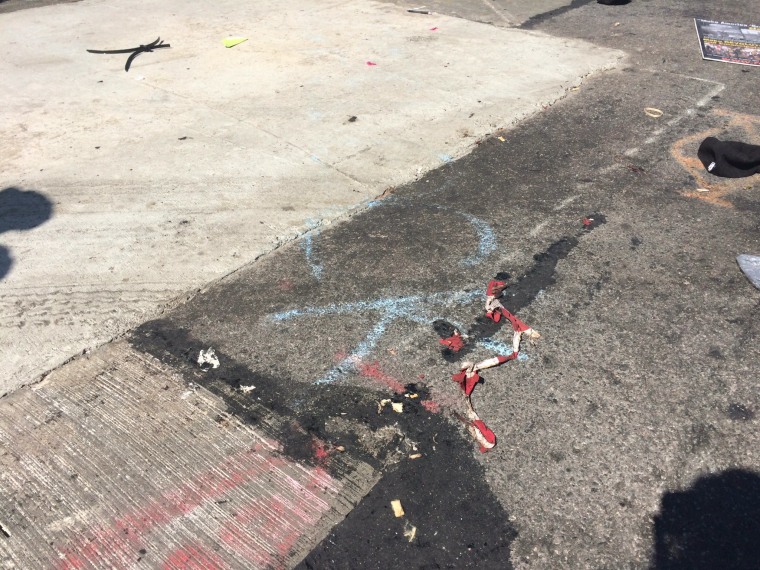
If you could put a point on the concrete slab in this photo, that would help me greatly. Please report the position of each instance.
(140, 187)
(113, 461)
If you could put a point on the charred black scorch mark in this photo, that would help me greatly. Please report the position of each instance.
(521, 294)
(460, 522)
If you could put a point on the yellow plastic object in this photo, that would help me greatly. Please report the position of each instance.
(233, 41)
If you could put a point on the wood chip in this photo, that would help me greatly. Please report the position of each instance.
(398, 510)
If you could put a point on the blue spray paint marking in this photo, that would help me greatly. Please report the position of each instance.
(486, 240)
(412, 308)
(307, 246)
(501, 348)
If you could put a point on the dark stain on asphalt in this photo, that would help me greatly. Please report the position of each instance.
(459, 521)
(740, 412)
(713, 524)
(534, 21)
(521, 294)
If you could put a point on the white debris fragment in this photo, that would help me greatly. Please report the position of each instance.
(208, 357)
(397, 407)
(247, 389)
(410, 531)
(186, 394)
(750, 265)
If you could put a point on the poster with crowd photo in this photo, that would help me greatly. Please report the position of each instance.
(733, 43)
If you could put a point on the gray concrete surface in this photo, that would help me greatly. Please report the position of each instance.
(200, 159)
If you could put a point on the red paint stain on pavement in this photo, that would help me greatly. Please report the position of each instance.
(373, 372)
(320, 451)
(431, 406)
(116, 545)
(257, 526)
(265, 533)
(193, 557)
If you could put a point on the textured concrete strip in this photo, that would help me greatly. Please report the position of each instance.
(141, 186)
(112, 461)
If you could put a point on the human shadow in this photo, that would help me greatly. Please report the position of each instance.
(713, 525)
(20, 210)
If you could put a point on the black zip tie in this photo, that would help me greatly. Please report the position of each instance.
(158, 43)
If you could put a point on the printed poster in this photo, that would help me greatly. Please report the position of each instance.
(732, 43)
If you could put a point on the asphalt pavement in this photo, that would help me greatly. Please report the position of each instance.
(626, 435)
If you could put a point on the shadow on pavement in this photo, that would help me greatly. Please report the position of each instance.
(714, 524)
(20, 210)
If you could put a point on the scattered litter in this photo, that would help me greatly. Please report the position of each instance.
(340, 448)
(588, 221)
(7, 534)
(352, 119)
(232, 41)
(652, 112)
(157, 44)
(702, 190)
(730, 159)
(502, 139)
(420, 10)
(445, 158)
(468, 376)
(495, 310)
(434, 29)
(398, 510)
(750, 265)
(410, 531)
(412, 396)
(616, 24)
(397, 407)
(729, 43)
(187, 393)
(455, 343)
(477, 428)
(247, 389)
(208, 357)
(371, 63)
(415, 456)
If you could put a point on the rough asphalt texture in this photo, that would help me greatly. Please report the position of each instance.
(628, 438)
(630, 433)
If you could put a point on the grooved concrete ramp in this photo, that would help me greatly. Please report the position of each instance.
(112, 462)
(139, 187)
